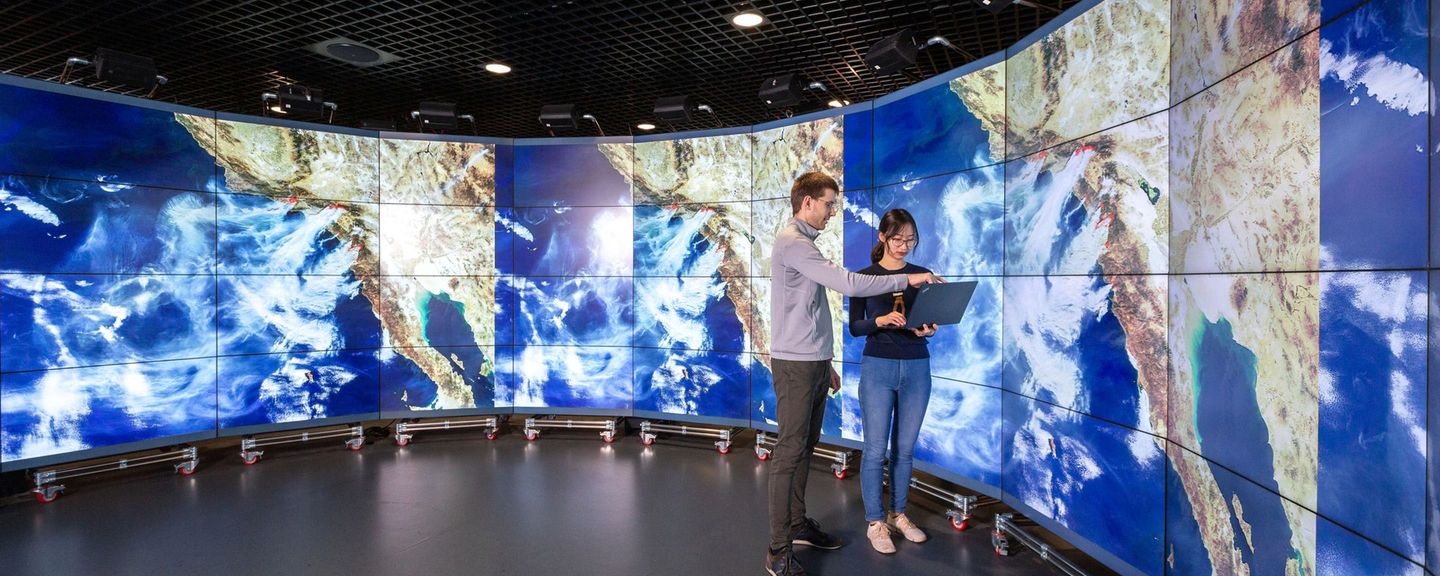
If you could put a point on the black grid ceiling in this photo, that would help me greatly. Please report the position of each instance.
(612, 58)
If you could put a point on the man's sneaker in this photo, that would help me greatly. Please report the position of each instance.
(912, 532)
(810, 535)
(782, 563)
(879, 535)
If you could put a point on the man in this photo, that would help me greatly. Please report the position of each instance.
(802, 337)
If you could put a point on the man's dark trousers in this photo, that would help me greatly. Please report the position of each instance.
(800, 389)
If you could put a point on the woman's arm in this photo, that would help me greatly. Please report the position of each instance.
(860, 326)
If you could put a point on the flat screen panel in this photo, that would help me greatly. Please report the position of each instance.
(1093, 344)
(64, 321)
(451, 173)
(54, 135)
(1083, 472)
(295, 387)
(284, 162)
(67, 410)
(574, 174)
(70, 226)
(955, 126)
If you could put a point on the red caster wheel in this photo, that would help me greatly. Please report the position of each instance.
(250, 459)
(1001, 544)
(531, 435)
(398, 442)
(959, 525)
(842, 473)
(185, 469)
(491, 435)
(47, 496)
(763, 456)
(646, 440)
(609, 439)
(356, 447)
(723, 449)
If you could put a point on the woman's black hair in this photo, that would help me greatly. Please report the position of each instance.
(890, 225)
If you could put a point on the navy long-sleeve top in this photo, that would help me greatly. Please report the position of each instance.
(894, 343)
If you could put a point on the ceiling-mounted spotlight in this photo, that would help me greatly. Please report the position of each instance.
(645, 126)
(559, 116)
(299, 102)
(838, 103)
(119, 68)
(564, 117)
(747, 18)
(782, 91)
(497, 68)
(439, 116)
(897, 51)
(674, 109)
(893, 53)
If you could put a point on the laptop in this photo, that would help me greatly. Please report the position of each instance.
(940, 304)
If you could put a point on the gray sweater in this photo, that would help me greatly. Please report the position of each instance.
(800, 324)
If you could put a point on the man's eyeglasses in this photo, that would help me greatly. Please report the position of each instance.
(897, 241)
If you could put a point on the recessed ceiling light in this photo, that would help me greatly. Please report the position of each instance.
(835, 104)
(645, 126)
(747, 19)
(277, 109)
(497, 68)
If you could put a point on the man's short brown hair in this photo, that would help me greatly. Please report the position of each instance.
(812, 185)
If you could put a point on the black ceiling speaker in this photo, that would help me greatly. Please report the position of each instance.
(894, 53)
(437, 115)
(127, 69)
(675, 109)
(559, 116)
(995, 6)
(352, 52)
(782, 91)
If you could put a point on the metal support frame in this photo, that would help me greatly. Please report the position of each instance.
(958, 506)
(1006, 526)
(250, 455)
(405, 431)
(608, 427)
(47, 491)
(840, 457)
(724, 436)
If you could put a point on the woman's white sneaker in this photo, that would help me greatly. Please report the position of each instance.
(879, 535)
(911, 532)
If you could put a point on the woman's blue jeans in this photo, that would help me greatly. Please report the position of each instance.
(893, 398)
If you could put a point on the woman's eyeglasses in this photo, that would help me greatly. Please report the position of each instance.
(897, 242)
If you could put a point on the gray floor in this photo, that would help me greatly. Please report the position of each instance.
(454, 503)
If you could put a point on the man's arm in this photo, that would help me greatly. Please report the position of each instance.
(806, 259)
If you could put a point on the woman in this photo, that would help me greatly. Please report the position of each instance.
(894, 382)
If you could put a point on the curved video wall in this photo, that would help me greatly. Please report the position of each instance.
(1200, 228)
